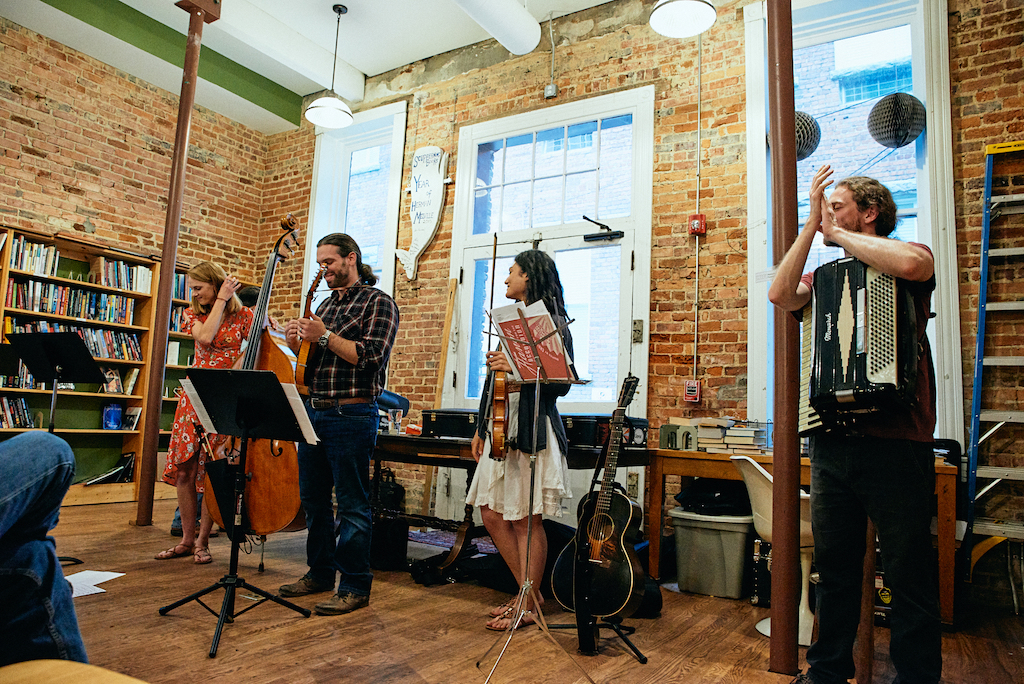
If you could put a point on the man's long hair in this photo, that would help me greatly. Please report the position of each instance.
(346, 245)
(867, 192)
(543, 281)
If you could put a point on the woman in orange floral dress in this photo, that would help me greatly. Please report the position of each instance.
(219, 324)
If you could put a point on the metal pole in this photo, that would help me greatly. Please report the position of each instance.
(783, 654)
(168, 257)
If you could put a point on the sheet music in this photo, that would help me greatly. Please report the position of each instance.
(553, 356)
(295, 401)
(197, 404)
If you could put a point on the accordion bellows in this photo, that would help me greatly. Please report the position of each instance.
(860, 348)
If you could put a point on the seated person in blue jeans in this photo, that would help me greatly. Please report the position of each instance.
(37, 617)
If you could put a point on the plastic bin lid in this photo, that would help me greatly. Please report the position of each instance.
(687, 515)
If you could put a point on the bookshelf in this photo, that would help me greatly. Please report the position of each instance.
(56, 282)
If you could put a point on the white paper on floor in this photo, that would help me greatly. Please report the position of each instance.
(84, 583)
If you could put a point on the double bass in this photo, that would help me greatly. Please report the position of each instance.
(272, 477)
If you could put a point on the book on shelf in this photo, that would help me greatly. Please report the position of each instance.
(131, 417)
(173, 352)
(553, 357)
(123, 471)
(113, 381)
(130, 379)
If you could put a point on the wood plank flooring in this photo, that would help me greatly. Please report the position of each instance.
(413, 634)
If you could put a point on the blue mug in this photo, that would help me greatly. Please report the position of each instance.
(112, 417)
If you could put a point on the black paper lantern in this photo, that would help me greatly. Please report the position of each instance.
(808, 135)
(896, 120)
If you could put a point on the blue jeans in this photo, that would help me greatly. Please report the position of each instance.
(340, 461)
(892, 482)
(37, 616)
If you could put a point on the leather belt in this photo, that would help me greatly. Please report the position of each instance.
(328, 403)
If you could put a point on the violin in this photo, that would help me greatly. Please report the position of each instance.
(302, 371)
(496, 386)
(272, 477)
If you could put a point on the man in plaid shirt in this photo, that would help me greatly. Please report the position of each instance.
(352, 334)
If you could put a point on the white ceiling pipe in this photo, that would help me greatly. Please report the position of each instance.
(507, 21)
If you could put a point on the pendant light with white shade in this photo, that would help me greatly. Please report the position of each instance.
(682, 18)
(330, 111)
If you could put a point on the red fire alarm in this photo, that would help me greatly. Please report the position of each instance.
(698, 224)
(691, 390)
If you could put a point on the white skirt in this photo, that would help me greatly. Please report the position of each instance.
(504, 486)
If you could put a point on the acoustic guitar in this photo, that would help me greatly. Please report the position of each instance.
(598, 573)
(305, 346)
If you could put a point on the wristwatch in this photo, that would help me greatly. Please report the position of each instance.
(324, 339)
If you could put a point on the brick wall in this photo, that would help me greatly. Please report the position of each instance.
(86, 147)
(986, 51)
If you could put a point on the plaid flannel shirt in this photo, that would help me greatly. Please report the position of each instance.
(369, 318)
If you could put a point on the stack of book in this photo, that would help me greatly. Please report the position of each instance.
(748, 438)
(728, 435)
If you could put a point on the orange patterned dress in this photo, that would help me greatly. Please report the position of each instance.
(221, 353)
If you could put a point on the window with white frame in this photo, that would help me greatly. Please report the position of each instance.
(835, 41)
(357, 175)
(533, 177)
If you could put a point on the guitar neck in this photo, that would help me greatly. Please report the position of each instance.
(614, 444)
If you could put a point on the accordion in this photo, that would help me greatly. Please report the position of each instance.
(859, 347)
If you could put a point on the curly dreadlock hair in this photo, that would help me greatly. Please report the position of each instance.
(543, 280)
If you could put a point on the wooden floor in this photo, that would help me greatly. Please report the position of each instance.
(410, 633)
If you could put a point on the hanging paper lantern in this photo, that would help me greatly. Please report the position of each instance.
(896, 120)
(808, 135)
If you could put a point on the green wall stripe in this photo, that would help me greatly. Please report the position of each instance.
(134, 27)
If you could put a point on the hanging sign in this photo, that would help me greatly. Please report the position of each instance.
(429, 166)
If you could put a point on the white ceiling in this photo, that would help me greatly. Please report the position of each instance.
(290, 42)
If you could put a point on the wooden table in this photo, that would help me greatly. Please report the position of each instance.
(701, 464)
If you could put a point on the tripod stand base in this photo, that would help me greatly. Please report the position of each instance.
(621, 631)
(231, 583)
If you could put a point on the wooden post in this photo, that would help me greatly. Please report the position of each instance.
(783, 654)
(864, 656)
(200, 12)
(442, 365)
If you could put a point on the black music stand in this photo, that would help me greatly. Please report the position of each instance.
(250, 404)
(62, 356)
(527, 587)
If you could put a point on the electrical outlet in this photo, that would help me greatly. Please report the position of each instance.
(550, 91)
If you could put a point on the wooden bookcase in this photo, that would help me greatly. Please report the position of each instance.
(51, 281)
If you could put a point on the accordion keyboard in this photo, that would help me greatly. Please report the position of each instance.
(807, 420)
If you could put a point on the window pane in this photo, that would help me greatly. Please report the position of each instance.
(590, 278)
(547, 202)
(515, 207)
(366, 211)
(616, 167)
(580, 195)
(822, 72)
(479, 340)
(489, 158)
(584, 168)
(485, 210)
(519, 158)
(582, 153)
(550, 153)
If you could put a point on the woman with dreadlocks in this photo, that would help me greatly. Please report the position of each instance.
(501, 488)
